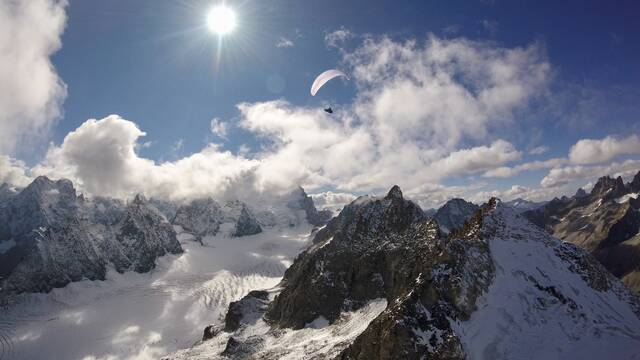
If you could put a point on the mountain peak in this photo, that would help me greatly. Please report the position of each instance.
(394, 193)
(609, 187)
(635, 183)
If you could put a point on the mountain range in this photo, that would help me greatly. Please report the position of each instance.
(381, 281)
(605, 222)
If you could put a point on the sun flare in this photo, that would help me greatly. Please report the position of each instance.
(221, 20)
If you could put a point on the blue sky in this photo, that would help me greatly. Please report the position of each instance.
(154, 63)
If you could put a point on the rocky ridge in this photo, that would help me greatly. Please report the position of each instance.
(605, 222)
(442, 296)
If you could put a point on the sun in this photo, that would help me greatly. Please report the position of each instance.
(221, 20)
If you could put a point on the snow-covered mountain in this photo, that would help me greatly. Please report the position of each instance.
(453, 214)
(50, 236)
(381, 282)
(605, 222)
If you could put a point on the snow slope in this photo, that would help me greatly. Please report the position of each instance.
(317, 340)
(144, 316)
(540, 307)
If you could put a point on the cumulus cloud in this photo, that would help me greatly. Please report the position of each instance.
(284, 42)
(31, 93)
(13, 172)
(565, 175)
(593, 151)
(100, 158)
(423, 113)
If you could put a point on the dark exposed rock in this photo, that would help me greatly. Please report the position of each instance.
(246, 224)
(304, 202)
(246, 310)
(210, 332)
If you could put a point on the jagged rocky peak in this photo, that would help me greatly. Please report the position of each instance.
(634, 185)
(145, 235)
(246, 223)
(302, 201)
(372, 216)
(580, 193)
(609, 188)
(454, 213)
(200, 216)
(394, 193)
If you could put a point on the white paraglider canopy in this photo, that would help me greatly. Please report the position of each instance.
(323, 78)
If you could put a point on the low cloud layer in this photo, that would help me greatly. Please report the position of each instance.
(31, 93)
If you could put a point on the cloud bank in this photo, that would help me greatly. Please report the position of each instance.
(31, 93)
(424, 112)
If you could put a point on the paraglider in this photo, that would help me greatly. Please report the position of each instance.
(324, 78)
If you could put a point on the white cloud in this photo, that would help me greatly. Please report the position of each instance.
(569, 174)
(100, 158)
(539, 150)
(476, 159)
(283, 42)
(423, 113)
(219, 128)
(592, 151)
(13, 172)
(506, 172)
(332, 200)
(31, 93)
(338, 37)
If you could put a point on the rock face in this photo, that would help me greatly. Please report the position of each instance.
(60, 237)
(203, 217)
(605, 222)
(304, 202)
(453, 214)
(497, 287)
